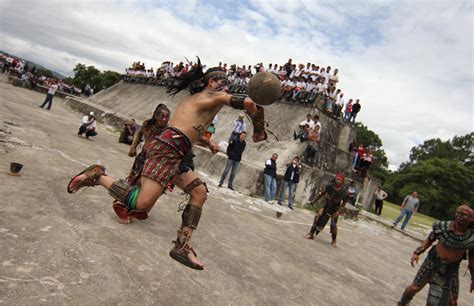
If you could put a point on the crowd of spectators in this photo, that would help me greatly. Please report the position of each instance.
(309, 84)
(30, 77)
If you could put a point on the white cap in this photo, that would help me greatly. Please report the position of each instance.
(91, 114)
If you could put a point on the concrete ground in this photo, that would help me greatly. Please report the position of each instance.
(57, 248)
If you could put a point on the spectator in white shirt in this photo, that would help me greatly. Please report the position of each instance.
(49, 97)
(88, 126)
(304, 128)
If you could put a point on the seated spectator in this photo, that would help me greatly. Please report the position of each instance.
(304, 128)
(129, 129)
(88, 126)
(331, 100)
(352, 193)
(313, 145)
(317, 122)
(299, 87)
(288, 87)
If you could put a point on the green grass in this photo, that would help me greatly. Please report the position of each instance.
(391, 211)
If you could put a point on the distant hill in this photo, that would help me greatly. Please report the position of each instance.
(38, 66)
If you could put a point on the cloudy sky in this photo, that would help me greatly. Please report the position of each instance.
(409, 62)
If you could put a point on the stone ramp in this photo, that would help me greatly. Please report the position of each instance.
(138, 101)
(57, 248)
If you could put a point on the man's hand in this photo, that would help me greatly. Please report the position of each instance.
(258, 122)
(214, 148)
(132, 152)
(414, 260)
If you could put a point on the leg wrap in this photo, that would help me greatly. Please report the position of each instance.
(196, 182)
(123, 192)
(333, 231)
(191, 216)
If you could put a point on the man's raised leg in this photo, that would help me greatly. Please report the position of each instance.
(183, 252)
(137, 201)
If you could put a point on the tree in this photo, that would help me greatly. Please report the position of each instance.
(442, 184)
(98, 80)
(42, 71)
(369, 138)
(459, 148)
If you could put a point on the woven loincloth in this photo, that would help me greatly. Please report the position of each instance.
(164, 154)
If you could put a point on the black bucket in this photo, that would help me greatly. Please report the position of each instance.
(15, 167)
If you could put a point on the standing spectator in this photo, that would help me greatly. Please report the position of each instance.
(129, 129)
(49, 97)
(348, 111)
(234, 156)
(304, 127)
(409, 206)
(355, 109)
(352, 193)
(336, 112)
(353, 151)
(288, 67)
(359, 155)
(270, 176)
(239, 127)
(88, 126)
(380, 195)
(290, 179)
(211, 129)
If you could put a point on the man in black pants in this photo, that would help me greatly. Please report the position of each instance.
(234, 155)
(380, 195)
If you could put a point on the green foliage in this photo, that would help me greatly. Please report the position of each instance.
(441, 172)
(369, 138)
(459, 148)
(98, 80)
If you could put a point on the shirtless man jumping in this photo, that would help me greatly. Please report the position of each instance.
(169, 153)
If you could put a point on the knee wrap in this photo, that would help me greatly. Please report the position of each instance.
(237, 101)
(123, 192)
(191, 216)
(196, 182)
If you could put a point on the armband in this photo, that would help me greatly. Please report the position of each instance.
(419, 251)
(237, 101)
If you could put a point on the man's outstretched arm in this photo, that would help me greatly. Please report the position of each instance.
(419, 250)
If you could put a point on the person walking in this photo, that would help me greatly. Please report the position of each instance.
(234, 156)
(290, 180)
(409, 206)
(49, 97)
(380, 195)
(269, 176)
